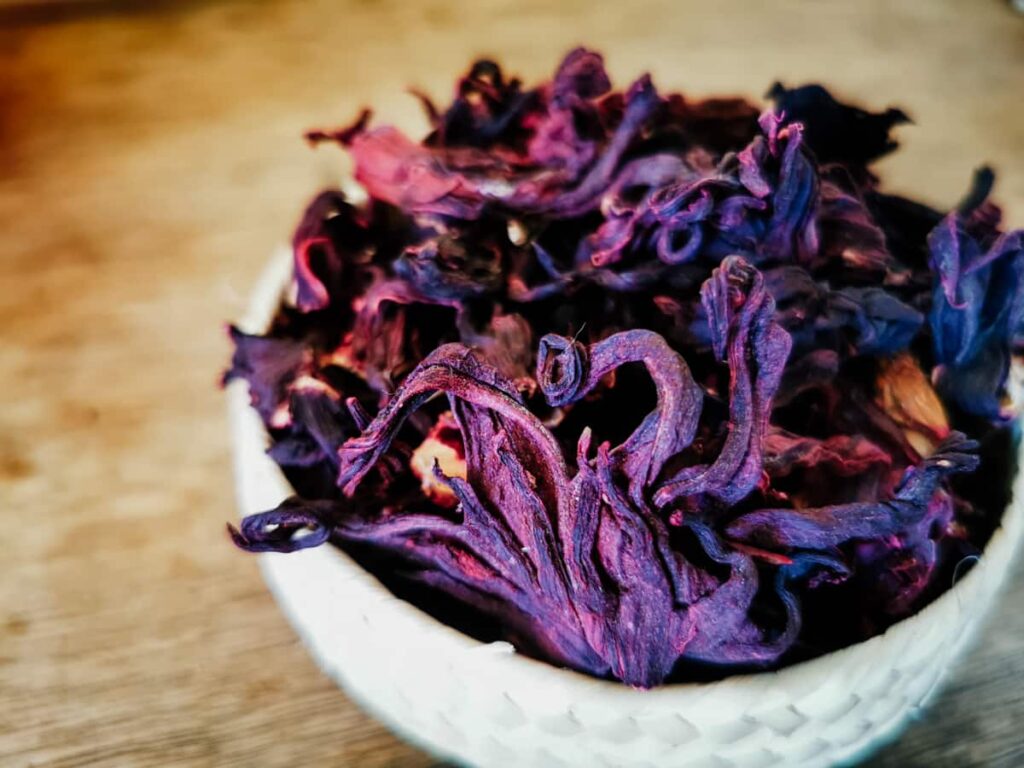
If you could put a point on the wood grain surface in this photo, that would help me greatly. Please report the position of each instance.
(150, 160)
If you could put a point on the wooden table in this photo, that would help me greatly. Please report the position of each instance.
(150, 159)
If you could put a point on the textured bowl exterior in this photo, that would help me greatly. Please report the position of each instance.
(483, 704)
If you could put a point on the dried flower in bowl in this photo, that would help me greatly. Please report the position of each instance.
(653, 388)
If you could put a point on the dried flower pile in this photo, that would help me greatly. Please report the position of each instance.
(651, 385)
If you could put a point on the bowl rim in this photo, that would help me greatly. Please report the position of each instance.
(250, 437)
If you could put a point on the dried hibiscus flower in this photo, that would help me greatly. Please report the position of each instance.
(653, 388)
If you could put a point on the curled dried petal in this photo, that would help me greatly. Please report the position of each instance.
(567, 373)
(454, 370)
(743, 330)
(296, 524)
(562, 369)
(824, 527)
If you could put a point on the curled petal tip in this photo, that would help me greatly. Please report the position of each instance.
(561, 369)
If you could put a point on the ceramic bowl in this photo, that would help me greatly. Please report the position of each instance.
(485, 705)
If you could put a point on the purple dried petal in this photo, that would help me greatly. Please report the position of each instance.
(328, 232)
(296, 524)
(454, 370)
(655, 633)
(976, 310)
(567, 372)
(504, 498)
(751, 171)
(323, 421)
(725, 633)
(743, 331)
(830, 526)
(269, 365)
(793, 227)
(681, 236)
(563, 370)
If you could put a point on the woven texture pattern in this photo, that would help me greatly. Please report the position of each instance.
(482, 704)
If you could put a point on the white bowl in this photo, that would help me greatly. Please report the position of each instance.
(483, 704)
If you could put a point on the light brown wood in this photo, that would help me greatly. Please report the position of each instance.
(150, 159)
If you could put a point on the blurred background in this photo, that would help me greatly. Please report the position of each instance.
(151, 159)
